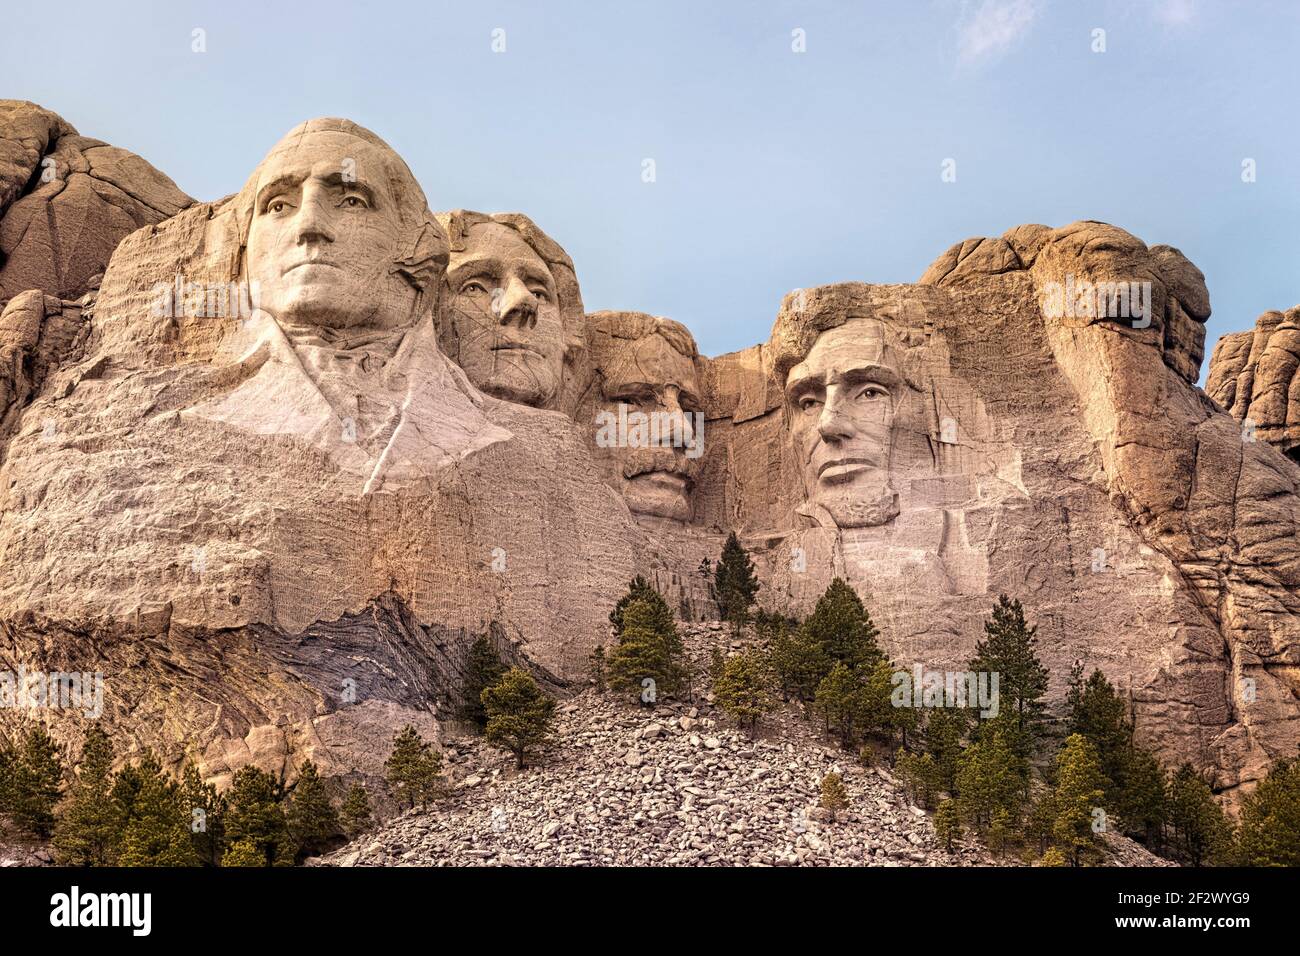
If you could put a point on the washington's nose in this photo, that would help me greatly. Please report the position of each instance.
(313, 224)
(517, 305)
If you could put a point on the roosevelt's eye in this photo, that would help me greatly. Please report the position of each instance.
(355, 202)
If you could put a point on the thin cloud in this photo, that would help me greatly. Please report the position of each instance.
(995, 28)
(1175, 13)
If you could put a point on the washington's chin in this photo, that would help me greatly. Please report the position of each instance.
(658, 495)
(320, 303)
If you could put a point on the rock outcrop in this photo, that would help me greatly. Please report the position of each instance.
(262, 500)
(1253, 375)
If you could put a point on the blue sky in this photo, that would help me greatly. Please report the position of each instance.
(774, 169)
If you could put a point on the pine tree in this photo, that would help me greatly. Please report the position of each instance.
(1080, 787)
(243, 853)
(999, 830)
(519, 713)
(36, 781)
(947, 824)
(206, 809)
(842, 628)
(944, 729)
(639, 589)
(1041, 819)
(649, 648)
(87, 829)
(838, 700)
(835, 796)
(1053, 857)
(8, 761)
(356, 811)
(157, 831)
(1140, 800)
(312, 820)
(735, 583)
(414, 768)
(1098, 713)
(919, 776)
(1270, 818)
(483, 668)
(1201, 833)
(741, 690)
(1008, 650)
(987, 780)
(598, 666)
(798, 661)
(255, 816)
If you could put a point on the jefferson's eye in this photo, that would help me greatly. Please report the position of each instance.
(473, 286)
(541, 292)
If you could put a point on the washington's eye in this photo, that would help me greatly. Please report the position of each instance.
(355, 202)
(277, 206)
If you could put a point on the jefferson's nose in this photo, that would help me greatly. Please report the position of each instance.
(517, 305)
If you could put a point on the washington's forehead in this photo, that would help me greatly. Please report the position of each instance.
(325, 154)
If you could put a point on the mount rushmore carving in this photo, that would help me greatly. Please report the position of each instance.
(275, 524)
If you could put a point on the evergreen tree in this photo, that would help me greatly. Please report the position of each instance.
(1270, 818)
(1053, 857)
(206, 810)
(519, 713)
(842, 628)
(8, 761)
(944, 729)
(483, 668)
(1201, 833)
(356, 811)
(243, 853)
(639, 589)
(1098, 713)
(835, 796)
(741, 690)
(735, 583)
(947, 824)
(999, 830)
(919, 776)
(598, 666)
(1009, 650)
(798, 661)
(1140, 800)
(1080, 788)
(254, 816)
(838, 700)
(87, 829)
(988, 780)
(313, 822)
(1041, 819)
(649, 648)
(414, 768)
(157, 833)
(37, 777)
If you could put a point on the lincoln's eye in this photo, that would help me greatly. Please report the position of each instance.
(809, 403)
(873, 392)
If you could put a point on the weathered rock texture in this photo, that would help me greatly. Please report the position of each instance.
(1253, 375)
(66, 201)
(275, 530)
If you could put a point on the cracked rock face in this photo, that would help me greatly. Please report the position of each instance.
(276, 529)
(66, 201)
(1253, 375)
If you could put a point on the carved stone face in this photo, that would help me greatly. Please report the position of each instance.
(324, 235)
(505, 316)
(841, 400)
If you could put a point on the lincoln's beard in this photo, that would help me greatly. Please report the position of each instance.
(864, 504)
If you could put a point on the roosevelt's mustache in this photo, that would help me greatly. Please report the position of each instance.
(643, 461)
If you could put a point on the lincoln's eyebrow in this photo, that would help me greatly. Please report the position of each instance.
(803, 384)
(871, 372)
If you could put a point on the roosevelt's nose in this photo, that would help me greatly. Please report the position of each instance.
(517, 305)
(679, 420)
